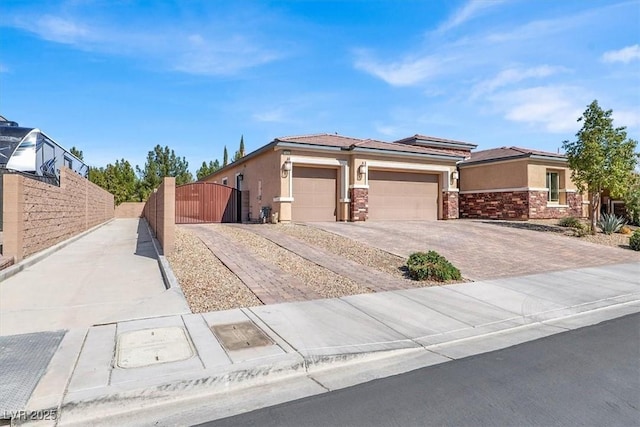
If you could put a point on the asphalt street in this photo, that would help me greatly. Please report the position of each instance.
(588, 376)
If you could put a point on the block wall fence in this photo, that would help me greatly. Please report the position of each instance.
(37, 215)
(130, 210)
(160, 213)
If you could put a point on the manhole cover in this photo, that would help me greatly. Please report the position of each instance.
(152, 346)
(238, 336)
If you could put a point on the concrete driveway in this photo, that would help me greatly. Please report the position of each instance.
(483, 249)
(110, 274)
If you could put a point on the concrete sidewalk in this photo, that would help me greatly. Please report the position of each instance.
(158, 370)
(110, 274)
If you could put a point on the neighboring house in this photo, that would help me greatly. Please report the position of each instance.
(327, 177)
(518, 183)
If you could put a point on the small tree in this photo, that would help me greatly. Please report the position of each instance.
(601, 158)
(207, 169)
(632, 199)
(76, 152)
(240, 153)
(225, 157)
(162, 162)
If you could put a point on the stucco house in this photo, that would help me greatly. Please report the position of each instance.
(518, 183)
(327, 177)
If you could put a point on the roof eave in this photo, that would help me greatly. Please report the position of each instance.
(408, 154)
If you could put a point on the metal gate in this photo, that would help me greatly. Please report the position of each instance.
(202, 202)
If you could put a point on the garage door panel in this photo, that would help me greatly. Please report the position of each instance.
(402, 196)
(314, 194)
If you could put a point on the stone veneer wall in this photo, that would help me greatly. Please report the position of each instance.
(160, 213)
(38, 215)
(539, 209)
(450, 205)
(359, 204)
(495, 205)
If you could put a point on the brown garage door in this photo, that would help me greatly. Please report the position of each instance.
(402, 196)
(314, 194)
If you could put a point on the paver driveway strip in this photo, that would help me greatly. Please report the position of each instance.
(269, 283)
(371, 278)
(482, 249)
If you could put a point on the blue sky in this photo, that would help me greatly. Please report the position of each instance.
(115, 78)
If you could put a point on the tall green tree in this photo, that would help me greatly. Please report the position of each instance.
(225, 157)
(162, 162)
(600, 158)
(240, 153)
(207, 169)
(76, 152)
(119, 179)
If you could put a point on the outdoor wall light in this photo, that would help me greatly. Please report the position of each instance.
(286, 167)
(454, 175)
(362, 170)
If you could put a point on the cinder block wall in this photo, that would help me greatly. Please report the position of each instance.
(130, 210)
(38, 215)
(160, 213)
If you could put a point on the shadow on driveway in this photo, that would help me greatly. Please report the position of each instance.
(144, 245)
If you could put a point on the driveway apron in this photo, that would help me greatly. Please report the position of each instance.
(483, 249)
(373, 279)
(269, 283)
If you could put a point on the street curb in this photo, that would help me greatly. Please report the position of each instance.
(39, 256)
(187, 392)
(168, 277)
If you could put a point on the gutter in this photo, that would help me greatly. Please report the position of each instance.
(521, 156)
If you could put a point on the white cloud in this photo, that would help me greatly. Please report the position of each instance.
(466, 13)
(214, 52)
(553, 108)
(627, 118)
(514, 75)
(624, 55)
(277, 115)
(403, 73)
(57, 29)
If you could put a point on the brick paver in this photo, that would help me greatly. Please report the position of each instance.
(483, 249)
(373, 279)
(269, 283)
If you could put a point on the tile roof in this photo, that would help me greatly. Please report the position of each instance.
(508, 152)
(334, 140)
(417, 138)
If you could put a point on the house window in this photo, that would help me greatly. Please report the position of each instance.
(225, 181)
(553, 185)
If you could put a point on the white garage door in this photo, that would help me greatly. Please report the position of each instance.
(314, 194)
(402, 196)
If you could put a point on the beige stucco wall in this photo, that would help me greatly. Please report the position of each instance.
(264, 170)
(277, 185)
(495, 175)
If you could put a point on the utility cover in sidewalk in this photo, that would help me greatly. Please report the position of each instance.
(152, 346)
(238, 336)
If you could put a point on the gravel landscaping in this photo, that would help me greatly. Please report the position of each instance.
(206, 282)
(326, 283)
(617, 240)
(349, 249)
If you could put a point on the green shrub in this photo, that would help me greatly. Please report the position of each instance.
(609, 223)
(581, 230)
(431, 266)
(634, 240)
(570, 221)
